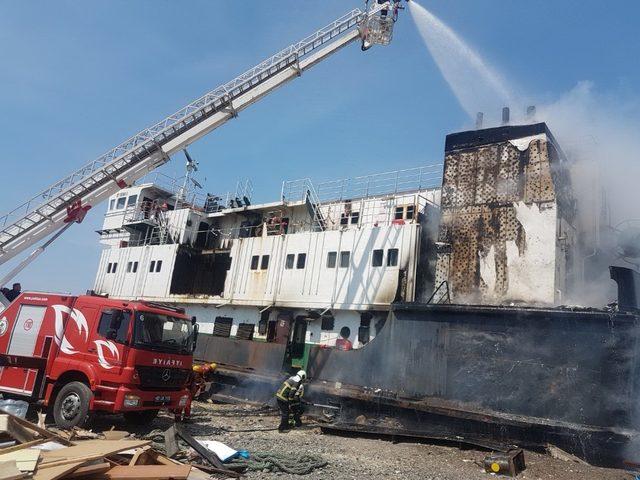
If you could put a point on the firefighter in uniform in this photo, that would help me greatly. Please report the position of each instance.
(289, 397)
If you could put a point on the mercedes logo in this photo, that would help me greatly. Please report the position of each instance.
(166, 374)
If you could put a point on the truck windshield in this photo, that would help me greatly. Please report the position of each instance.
(162, 333)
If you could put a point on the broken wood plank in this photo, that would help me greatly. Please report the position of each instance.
(32, 426)
(142, 472)
(89, 470)
(20, 446)
(26, 460)
(115, 434)
(9, 471)
(54, 473)
(88, 450)
(171, 442)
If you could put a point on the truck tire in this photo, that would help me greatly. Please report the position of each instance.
(141, 417)
(71, 407)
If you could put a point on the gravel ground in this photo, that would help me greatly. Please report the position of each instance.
(355, 457)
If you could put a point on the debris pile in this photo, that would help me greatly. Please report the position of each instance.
(30, 451)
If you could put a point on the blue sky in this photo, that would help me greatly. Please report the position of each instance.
(76, 78)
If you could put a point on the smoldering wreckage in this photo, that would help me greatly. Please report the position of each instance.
(420, 305)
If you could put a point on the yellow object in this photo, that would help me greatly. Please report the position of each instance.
(495, 467)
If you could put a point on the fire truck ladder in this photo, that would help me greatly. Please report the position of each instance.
(46, 212)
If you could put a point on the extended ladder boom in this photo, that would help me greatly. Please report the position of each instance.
(147, 150)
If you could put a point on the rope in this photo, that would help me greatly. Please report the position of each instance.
(295, 464)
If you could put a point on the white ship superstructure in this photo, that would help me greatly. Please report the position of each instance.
(316, 260)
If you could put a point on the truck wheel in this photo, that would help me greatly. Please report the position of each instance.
(141, 417)
(71, 408)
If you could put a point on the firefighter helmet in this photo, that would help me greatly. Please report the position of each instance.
(302, 374)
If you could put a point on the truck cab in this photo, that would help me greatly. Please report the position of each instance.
(84, 354)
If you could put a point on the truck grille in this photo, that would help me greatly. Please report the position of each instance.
(159, 378)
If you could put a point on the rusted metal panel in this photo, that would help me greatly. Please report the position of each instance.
(490, 185)
(255, 356)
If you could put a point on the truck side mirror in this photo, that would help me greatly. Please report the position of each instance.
(196, 329)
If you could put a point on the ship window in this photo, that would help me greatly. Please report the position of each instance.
(112, 204)
(152, 266)
(129, 266)
(411, 210)
(355, 218)
(132, 200)
(109, 268)
(327, 323)
(135, 267)
(302, 259)
(222, 326)
(344, 259)
(265, 262)
(113, 269)
(158, 265)
(376, 258)
(255, 260)
(344, 220)
(245, 331)
(114, 325)
(392, 257)
(331, 259)
(121, 203)
(290, 261)
(399, 213)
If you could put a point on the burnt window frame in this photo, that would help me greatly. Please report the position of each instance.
(224, 322)
(327, 323)
(246, 331)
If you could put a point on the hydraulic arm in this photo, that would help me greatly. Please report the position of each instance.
(47, 212)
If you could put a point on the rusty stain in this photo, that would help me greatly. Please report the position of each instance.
(480, 187)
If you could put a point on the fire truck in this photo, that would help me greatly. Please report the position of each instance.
(78, 355)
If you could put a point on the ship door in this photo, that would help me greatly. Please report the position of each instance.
(297, 346)
(282, 329)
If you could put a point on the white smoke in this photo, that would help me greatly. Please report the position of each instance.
(601, 133)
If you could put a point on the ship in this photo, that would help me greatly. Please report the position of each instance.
(430, 302)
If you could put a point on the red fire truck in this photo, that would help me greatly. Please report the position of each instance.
(79, 355)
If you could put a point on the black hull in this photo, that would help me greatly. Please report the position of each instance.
(491, 376)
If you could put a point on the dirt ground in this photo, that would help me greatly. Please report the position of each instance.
(354, 457)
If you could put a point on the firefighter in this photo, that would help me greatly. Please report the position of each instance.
(289, 397)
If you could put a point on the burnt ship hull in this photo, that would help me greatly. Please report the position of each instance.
(491, 376)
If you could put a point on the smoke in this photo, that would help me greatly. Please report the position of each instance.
(600, 133)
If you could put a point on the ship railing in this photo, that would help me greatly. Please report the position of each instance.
(381, 184)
